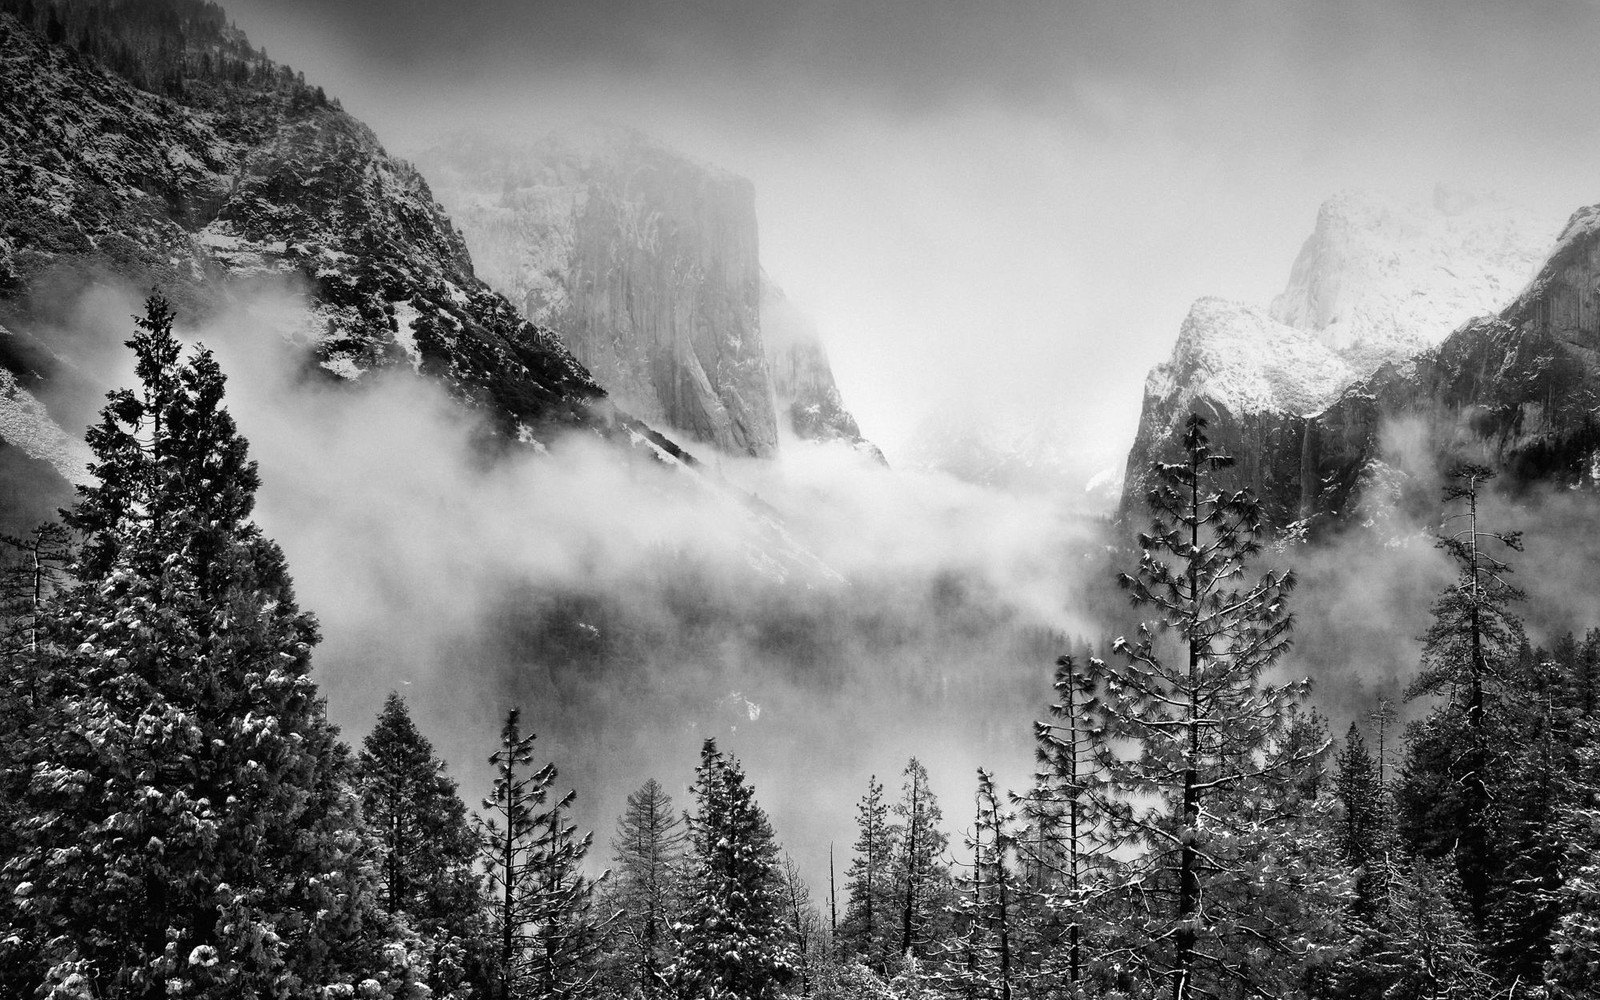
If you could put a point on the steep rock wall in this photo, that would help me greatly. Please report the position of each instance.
(646, 262)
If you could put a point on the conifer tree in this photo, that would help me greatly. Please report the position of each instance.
(188, 825)
(922, 887)
(564, 931)
(982, 964)
(646, 886)
(1364, 823)
(867, 929)
(1207, 794)
(426, 849)
(733, 940)
(1062, 850)
(508, 834)
(1573, 968)
(1468, 651)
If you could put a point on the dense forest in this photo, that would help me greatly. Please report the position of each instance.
(182, 820)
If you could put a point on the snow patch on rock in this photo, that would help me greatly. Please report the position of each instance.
(25, 423)
(1381, 279)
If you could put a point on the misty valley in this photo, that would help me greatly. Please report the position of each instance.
(483, 575)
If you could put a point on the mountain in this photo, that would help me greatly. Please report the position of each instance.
(231, 172)
(1376, 290)
(802, 380)
(648, 263)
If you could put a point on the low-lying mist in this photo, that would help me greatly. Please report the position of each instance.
(823, 617)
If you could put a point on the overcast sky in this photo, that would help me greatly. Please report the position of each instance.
(1001, 205)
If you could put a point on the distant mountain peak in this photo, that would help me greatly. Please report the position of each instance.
(647, 262)
(1381, 278)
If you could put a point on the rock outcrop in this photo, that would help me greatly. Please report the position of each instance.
(802, 380)
(1359, 341)
(645, 261)
(226, 174)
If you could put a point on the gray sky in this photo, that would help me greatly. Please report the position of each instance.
(1006, 205)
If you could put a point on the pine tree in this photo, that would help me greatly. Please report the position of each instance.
(867, 929)
(1415, 943)
(1207, 794)
(645, 887)
(734, 943)
(1062, 849)
(921, 882)
(982, 961)
(1362, 831)
(1573, 968)
(565, 934)
(1467, 652)
(507, 838)
(426, 849)
(188, 825)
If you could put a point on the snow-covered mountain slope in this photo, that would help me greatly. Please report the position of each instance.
(1377, 282)
(238, 172)
(1380, 279)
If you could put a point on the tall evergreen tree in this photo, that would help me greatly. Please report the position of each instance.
(1468, 652)
(868, 928)
(922, 886)
(1362, 840)
(188, 825)
(1203, 792)
(546, 936)
(646, 887)
(982, 963)
(734, 943)
(426, 849)
(1063, 850)
(564, 931)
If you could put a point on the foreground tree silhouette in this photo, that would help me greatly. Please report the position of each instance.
(1208, 794)
(1467, 655)
(734, 940)
(426, 850)
(647, 853)
(189, 829)
(867, 916)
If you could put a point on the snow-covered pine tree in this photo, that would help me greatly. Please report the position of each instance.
(1573, 969)
(644, 890)
(1364, 825)
(1062, 851)
(868, 928)
(189, 828)
(981, 961)
(809, 933)
(565, 933)
(920, 879)
(733, 940)
(1191, 773)
(508, 833)
(1467, 654)
(426, 850)
(29, 576)
(1414, 943)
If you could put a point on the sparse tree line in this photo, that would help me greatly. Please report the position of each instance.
(180, 819)
(162, 46)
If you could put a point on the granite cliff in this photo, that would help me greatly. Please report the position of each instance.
(648, 263)
(1375, 332)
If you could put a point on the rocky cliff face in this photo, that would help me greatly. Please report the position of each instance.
(645, 261)
(802, 380)
(237, 171)
(1358, 342)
